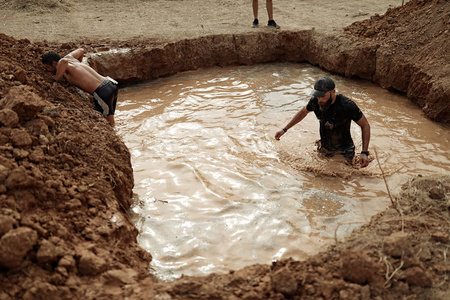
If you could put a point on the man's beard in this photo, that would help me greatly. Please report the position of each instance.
(326, 105)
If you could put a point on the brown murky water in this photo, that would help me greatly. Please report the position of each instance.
(215, 191)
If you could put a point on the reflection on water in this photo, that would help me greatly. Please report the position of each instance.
(215, 191)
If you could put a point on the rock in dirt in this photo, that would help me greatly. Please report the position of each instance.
(397, 244)
(47, 291)
(21, 75)
(90, 264)
(67, 262)
(119, 277)
(15, 244)
(418, 277)
(47, 253)
(23, 101)
(18, 178)
(8, 117)
(21, 138)
(357, 267)
(283, 281)
(7, 223)
(4, 171)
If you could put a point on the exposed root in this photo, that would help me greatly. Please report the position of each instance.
(388, 190)
(389, 267)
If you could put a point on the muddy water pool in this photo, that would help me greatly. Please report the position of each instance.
(214, 191)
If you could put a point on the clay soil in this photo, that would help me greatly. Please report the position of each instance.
(66, 179)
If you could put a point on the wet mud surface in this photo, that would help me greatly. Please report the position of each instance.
(66, 179)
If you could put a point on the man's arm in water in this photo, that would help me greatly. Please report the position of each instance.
(297, 118)
(365, 132)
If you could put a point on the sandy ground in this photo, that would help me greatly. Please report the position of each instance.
(68, 20)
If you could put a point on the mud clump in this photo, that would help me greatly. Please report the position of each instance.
(357, 267)
(14, 245)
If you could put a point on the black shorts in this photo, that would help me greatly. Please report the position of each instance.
(105, 97)
(348, 151)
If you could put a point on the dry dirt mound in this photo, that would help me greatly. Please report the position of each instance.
(65, 180)
(417, 36)
(416, 27)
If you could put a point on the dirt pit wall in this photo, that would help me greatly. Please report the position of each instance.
(338, 54)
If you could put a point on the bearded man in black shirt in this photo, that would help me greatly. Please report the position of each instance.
(335, 113)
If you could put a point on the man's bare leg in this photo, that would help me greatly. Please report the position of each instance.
(269, 6)
(255, 9)
(110, 119)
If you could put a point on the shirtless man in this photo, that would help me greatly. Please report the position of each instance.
(103, 89)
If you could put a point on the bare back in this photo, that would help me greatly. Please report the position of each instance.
(81, 75)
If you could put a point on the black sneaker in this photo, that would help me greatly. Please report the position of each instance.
(273, 24)
(255, 23)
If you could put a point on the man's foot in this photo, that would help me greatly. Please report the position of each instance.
(255, 23)
(273, 24)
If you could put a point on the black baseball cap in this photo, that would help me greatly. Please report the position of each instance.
(322, 86)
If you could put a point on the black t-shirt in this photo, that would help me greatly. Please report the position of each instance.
(335, 122)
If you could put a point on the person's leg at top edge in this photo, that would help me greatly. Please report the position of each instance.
(255, 14)
(271, 23)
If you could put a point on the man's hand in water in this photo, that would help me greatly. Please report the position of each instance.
(364, 160)
(280, 133)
